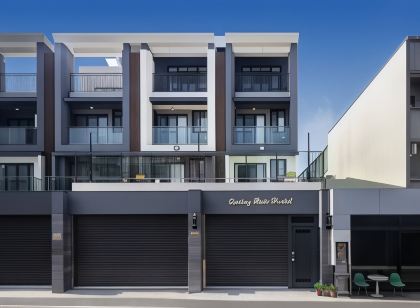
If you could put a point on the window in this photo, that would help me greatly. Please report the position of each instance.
(16, 177)
(277, 169)
(187, 69)
(117, 118)
(250, 172)
(202, 69)
(172, 69)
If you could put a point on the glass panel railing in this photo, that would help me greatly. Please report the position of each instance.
(18, 82)
(20, 183)
(261, 82)
(95, 82)
(17, 135)
(179, 135)
(99, 135)
(261, 135)
(179, 82)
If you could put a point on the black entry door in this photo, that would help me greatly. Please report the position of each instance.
(304, 257)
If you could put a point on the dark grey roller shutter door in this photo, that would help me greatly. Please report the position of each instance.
(25, 250)
(131, 250)
(246, 250)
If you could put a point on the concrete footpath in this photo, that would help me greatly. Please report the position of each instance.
(240, 298)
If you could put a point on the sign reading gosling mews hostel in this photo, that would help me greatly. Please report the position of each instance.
(274, 201)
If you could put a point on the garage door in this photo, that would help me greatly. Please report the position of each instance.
(246, 250)
(131, 250)
(25, 250)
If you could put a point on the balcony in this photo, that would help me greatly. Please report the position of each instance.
(261, 82)
(99, 135)
(179, 135)
(261, 135)
(94, 83)
(20, 183)
(18, 83)
(178, 82)
(17, 135)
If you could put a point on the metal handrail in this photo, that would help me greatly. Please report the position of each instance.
(261, 82)
(20, 183)
(100, 134)
(17, 82)
(261, 134)
(96, 82)
(180, 82)
(18, 135)
(179, 134)
(65, 182)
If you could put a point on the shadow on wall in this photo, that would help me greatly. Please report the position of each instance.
(333, 183)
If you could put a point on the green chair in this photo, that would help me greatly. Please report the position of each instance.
(360, 282)
(395, 281)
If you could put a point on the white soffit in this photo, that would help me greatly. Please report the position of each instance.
(21, 44)
(261, 43)
(111, 44)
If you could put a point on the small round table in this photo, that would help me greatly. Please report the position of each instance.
(377, 278)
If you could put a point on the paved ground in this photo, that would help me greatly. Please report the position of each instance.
(235, 298)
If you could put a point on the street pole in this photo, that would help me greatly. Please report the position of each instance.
(91, 158)
(309, 158)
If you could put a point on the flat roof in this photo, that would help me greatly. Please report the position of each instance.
(13, 44)
(109, 44)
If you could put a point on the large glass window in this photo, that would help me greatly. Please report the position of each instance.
(277, 169)
(250, 172)
(16, 177)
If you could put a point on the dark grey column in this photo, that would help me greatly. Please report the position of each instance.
(326, 269)
(230, 93)
(61, 243)
(63, 66)
(126, 95)
(293, 113)
(195, 239)
(2, 71)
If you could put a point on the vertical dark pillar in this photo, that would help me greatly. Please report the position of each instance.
(61, 243)
(220, 99)
(134, 99)
(293, 113)
(326, 269)
(2, 71)
(230, 93)
(195, 239)
(126, 95)
(45, 100)
(63, 67)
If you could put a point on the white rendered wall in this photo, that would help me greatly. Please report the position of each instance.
(369, 141)
(230, 162)
(146, 108)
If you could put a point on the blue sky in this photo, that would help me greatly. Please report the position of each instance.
(343, 43)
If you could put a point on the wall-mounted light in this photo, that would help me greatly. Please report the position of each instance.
(17, 109)
(328, 221)
(176, 148)
(194, 221)
(91, 107)
(172, 108)
(253, 108)
(414, 148)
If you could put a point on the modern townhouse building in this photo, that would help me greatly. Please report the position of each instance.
(373, 164)
(26, 101)
(174, 165)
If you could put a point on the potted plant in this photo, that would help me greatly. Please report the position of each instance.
(318, 288)
(325, 290)
(333, 290)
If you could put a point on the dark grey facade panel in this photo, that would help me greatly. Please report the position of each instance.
(25, 203)
(247, 250)
(127, 202)
(131, 250)
(25, 257)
